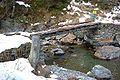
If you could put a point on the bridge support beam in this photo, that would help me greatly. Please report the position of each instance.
(36, 56)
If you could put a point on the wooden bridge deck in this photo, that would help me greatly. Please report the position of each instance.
(65, 28)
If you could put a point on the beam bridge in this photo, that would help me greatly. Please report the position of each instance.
(36, 54)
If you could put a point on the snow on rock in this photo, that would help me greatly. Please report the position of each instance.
(35, 24)
(82, 19)
(64, 9)
(54, 76)
(14, 41)
(66, 22)
(74, 8)
(25, 34)
(74, 3)
(68, 7)
(116, 9)
(110, 15)
(96, 8)
(53, 17)
(83, 13)
(87, 4)
(22, 3)
(20, 69)
(108, 19)
(87, 16)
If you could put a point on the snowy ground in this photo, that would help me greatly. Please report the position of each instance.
(20, 69)
(22, 3)
(13, 41)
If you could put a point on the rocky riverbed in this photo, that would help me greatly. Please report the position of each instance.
(75, 57)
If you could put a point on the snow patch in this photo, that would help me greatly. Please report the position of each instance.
(14, 41)
(87, 4)
(87, 16)
(25, 34)
(64, 9)
(82, 19)
(68, 7)
(116, 9)
(53, 76)
(53, 17)
(66, 22)
(22, 3)
(20, 69)
(110, 15)
(74, 8)
(96, 9)
(35, 24)
(74, 3)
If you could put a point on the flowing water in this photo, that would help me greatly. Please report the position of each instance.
(81, 59)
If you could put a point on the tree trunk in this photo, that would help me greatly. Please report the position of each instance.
(36, 55)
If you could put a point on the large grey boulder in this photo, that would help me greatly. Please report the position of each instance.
(70, 38)
(67, 74)
(100, 72)
(117, 38)
(107, 52)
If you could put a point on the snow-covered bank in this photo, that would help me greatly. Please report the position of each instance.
(20, 69)
(13, 41)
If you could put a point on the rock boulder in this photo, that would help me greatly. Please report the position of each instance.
(69, 39)
(100, 72)
(107, 52)
(57, 51)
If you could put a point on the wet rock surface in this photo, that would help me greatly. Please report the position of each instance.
(69, 39)
(14, 53)
(57, 52)
(42, 70)
(65, 74)
(100, 72)
(117, 38)
(107, 52)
